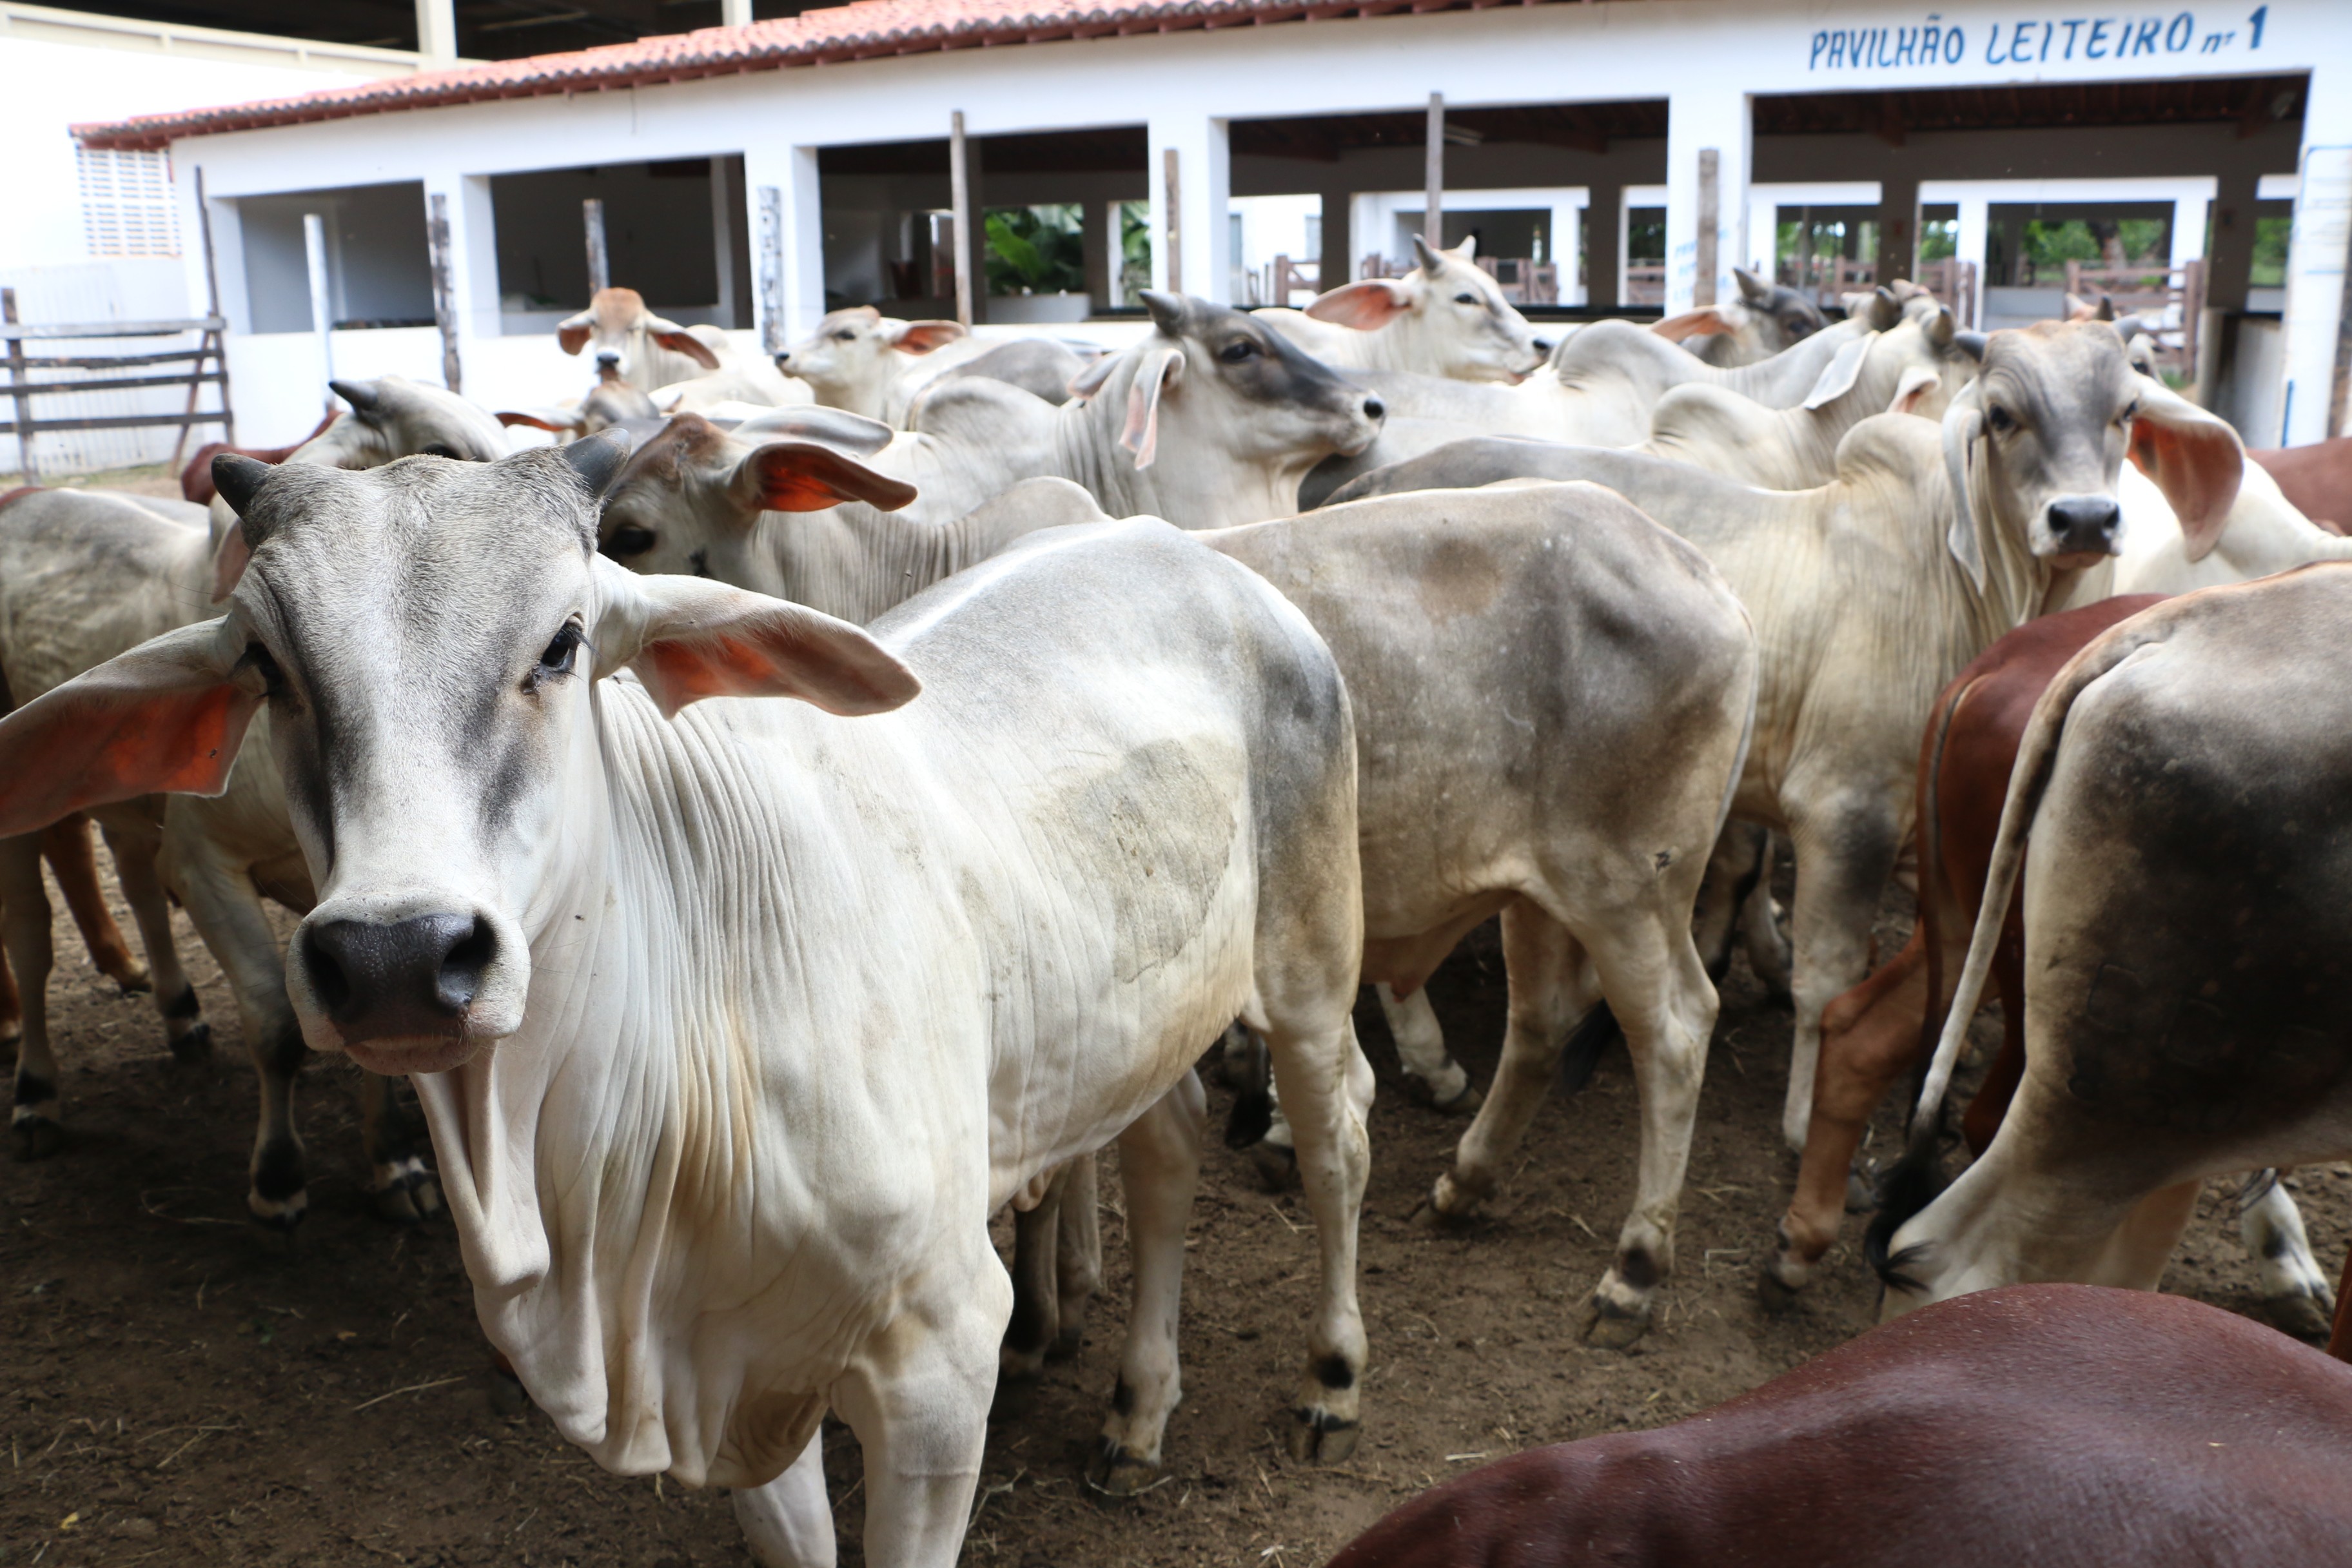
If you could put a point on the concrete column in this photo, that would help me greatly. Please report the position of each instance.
(2317, 263)
(1566, 234)
(722, 242)
(436, 34)
(1203, 183)
(734, 12)
(1699, 120)
(1604, 241)
(2232, 264)
(797, 260)
(1898, 226)
(1969, 239)
(972, 240)
(1337, 266)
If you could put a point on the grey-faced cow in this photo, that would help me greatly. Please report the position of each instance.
(1766, 319)
(729, 1021)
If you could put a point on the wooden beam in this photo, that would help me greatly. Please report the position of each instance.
(600, 265)
(959, 199)
(1433, 217)
(1710, 161)
(1172, 224)
(445, 290)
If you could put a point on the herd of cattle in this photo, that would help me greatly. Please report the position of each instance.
(734, 1022)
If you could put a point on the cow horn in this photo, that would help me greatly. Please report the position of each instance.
(363, 396)
(1426, 254)
(1750, 285)
(2107, 308)
(1941, 327)
(1167, 309)
(1971, 344)
(236, 478)
(598, 458)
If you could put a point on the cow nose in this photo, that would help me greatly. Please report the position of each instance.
(407, 977)
(2084, 522)
(608, 359)
(1543, 348)
(1375, 410)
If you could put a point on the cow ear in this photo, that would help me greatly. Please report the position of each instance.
(1702, 322)
(2196, 459)
(801, 476)
(163, 719)
(1752, 288)
(852, 433)
(1838, 376)
(680, 342)
(1916, 383)
(1963, 425)
(572, 332)
(922, 337)
(558, 420)
(688, 638)
(229, 557)
(1365, 306)
(1160, 370)
(1089, 381)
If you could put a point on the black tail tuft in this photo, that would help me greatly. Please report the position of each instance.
(1910, 1184)
(1582, 1054)
(1252, 1117)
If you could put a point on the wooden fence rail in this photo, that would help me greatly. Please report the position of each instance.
(30, 376)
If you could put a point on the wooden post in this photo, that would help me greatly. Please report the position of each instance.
(960, 198)
(20, 380)
(322, 306)
(444, 292)
(771, 268)
(1710, 161)
(1432, 214)
(600, 266)
(211, 340)
(1172, 224)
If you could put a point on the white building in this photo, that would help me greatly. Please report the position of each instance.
(754, 175)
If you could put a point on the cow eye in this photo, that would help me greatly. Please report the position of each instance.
(260, 660)
(627, 541)
(2000, 419)
(2129, 413)
(843, 336)
(438, 449)
(1465, 298)
(561, 653)
(1237, 351)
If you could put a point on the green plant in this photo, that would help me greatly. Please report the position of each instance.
(2271, 236)
(1036, 251)
(1134, 249)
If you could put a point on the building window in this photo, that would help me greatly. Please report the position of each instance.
(127, 206)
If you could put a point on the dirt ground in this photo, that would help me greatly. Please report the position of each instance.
(177, 1385)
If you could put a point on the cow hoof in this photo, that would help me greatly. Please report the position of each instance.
(1066, 1345)
(1466, 1103)
(1771, 1293)
(507, 1400)
(2301, 1316)
(137, 982)
(1277, 1165)
(1610, 1327)
(1017, 1366)
(281, 1215)
(1861, 1193)
(196, 1045)
(1320, 1437)
(427, 1194)
(396, 1205)
(34, 1138)
(1115, 1472)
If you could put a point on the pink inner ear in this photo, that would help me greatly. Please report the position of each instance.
(922, 337)
(1365, 306)
(571, 340)
(1700, 322)
(2199, 472)
(228, 560)
(79, 747)
(689, 345)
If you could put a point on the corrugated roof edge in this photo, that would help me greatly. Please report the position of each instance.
(867, 29)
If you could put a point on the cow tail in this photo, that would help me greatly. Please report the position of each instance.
(1914, 1179)
(1931, 860)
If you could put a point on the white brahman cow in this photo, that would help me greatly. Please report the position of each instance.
(1447, 317)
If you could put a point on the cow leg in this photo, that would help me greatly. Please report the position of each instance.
(788, 1523)
(34, 1129)
(134, 846)
(1420, 1048)
(72, 854)
(1036, 1301)
(2294, 1292)
(405, 1189)
(1550, 989)
(226, 909)
(1761, 936)
(1868, 1037)
(1844, 855)
(1160, 1162)
(1734, 871)
(916, 1394)
(1077, 1255)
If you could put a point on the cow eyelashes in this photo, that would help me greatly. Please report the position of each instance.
(1466, 299)
(2000, 419)
(561, 654)
(260, 660)
(1237, 351)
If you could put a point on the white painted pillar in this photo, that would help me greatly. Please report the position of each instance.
(1567, 245)
(792, 173)
(473, 255)
(722, 242)
(1204, 183)
(436, 34)
(2315, 259)
(734, 12)
(1697, 119)
(323, 307)
(1974, 232)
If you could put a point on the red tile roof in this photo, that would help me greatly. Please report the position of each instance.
(868, 29)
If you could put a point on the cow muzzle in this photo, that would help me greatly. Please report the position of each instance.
(2080, 526)
(411, 993)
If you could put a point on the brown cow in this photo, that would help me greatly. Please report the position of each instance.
(1875, 1032)
(2057, 1424)
(196, 478)
(2316, 478)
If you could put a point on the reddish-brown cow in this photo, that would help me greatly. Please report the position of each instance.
(2060, 1424)
(196, 478)
(1874, 1032)
(2317, 478)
